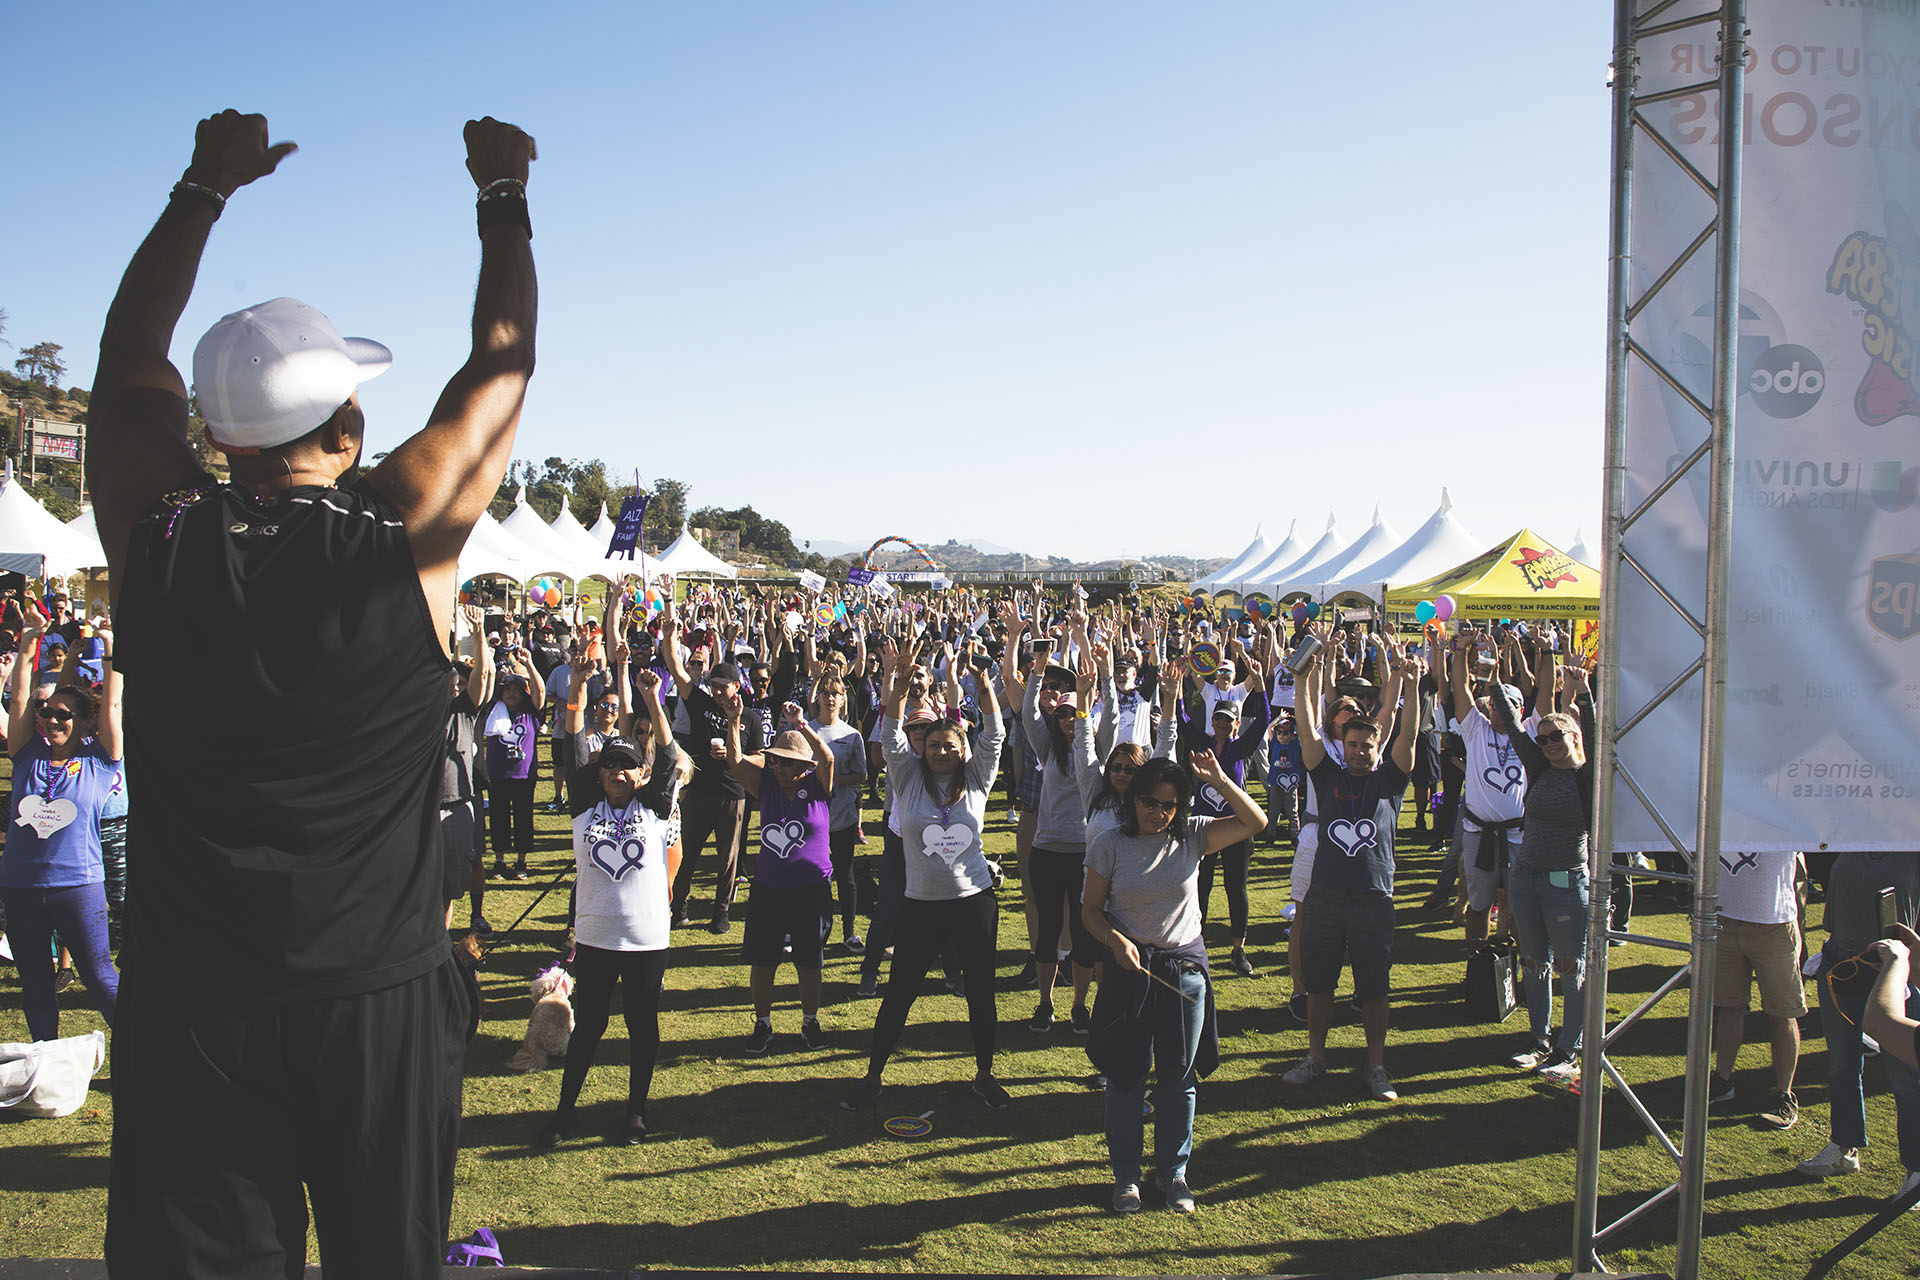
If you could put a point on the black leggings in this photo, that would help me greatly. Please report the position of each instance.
(1058, 876)
(1234, 858)
(594, 973)
(841, 845)
(510, 817)
(972, 923)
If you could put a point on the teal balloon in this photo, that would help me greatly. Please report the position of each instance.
(1313, 608)
(1423, 612)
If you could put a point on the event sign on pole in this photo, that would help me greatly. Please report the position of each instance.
(627, 529)
(1822, 715)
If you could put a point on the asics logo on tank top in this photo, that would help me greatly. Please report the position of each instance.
(1211, 796)
(1745, 860)
(1503, 779)
(781, 840)
(1353, 838)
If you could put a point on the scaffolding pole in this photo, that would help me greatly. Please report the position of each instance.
(1717, 457)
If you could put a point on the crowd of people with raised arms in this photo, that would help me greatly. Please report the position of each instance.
(318, 859)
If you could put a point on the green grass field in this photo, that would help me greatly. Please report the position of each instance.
(752, 1164)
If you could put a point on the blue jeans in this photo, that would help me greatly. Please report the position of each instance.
(1173, 1098)
(79, 914)
(1840, 1017)
(1550, 923)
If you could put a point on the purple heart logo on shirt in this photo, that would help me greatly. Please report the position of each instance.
(1503, 780)
(1212, 797)
(627, 854)
(781, 840)
(1352, 837)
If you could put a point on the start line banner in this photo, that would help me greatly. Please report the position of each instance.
(1822, 741)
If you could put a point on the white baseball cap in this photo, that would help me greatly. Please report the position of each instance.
(276, 371)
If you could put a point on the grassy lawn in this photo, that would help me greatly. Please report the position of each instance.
(752, 1165)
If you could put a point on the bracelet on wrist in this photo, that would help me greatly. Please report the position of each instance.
(194, 191)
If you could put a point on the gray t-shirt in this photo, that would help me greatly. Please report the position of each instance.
(1154, 896)
(1555, 837)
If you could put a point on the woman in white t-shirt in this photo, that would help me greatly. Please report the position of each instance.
(622, 909)
(939, 798)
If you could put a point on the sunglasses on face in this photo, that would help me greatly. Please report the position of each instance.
(53, 715)
(1158, 806)
(609, 707)
(1555, 736)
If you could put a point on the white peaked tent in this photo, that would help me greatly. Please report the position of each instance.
(34, 542)
(491, 550)
(570, 531)
(603, 530)
(687, 558)
(1435, 547)
(1256, 551)
(551, 553)
(1379, 540)
(1291, 548)
(1578, 549)
(1330, 545)
(87, 535)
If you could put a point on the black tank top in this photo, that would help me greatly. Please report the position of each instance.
(286, 712)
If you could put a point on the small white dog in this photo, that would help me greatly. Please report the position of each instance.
(551, 1025)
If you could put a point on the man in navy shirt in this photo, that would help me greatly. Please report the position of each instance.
(1349, 907)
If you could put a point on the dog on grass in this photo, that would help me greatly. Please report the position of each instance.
(551, 1025)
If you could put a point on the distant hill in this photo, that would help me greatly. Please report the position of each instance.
(979, 554)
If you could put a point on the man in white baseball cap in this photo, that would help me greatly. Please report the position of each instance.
(276, 371)
(290, 843)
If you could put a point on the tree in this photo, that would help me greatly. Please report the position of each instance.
(41, 363)
(769, 539)
(667, 512)
(3, 328)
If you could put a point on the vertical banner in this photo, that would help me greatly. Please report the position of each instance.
(1822, 739)
(627, 529)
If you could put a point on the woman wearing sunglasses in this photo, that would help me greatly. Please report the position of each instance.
(1142, 901)
(1547, 886)
(66, 770)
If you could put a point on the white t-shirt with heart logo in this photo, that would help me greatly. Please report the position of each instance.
(944, 856)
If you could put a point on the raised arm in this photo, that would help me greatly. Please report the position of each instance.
(1459, 661)
(20, 709)
(823, 768)
(443, 476)
(658, 726)
(1306, 714)
(137, 418)
(1248, 819)
(1406, 675)
(107, 725)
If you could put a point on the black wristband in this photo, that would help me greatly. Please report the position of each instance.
(195, 191)
(504, 208)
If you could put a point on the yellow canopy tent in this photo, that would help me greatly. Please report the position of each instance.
(1524, 576)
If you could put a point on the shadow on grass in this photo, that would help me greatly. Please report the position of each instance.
(56, 1166)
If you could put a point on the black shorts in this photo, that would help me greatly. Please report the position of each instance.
(458, 851)
(1351, 928)
(803, 916)
(222, 1113)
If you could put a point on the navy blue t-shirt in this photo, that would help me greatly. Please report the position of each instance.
(1357, 818)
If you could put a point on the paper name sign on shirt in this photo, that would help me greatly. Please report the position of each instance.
(1352, 837)
(946, 843)
(46, 816)
(812, 581)
(781, 840)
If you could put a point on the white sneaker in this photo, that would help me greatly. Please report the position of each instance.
(1833, 1158)
(1306, 1073)
(1380, 1084)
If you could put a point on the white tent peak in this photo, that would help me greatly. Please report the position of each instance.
(520, 496)
(1446, 500)
(1330, 522)
(1376, 513)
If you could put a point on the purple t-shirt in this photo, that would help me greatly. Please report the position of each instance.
(794, 850)
(512, 741)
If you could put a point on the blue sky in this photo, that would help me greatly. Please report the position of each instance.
(1082, 279)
